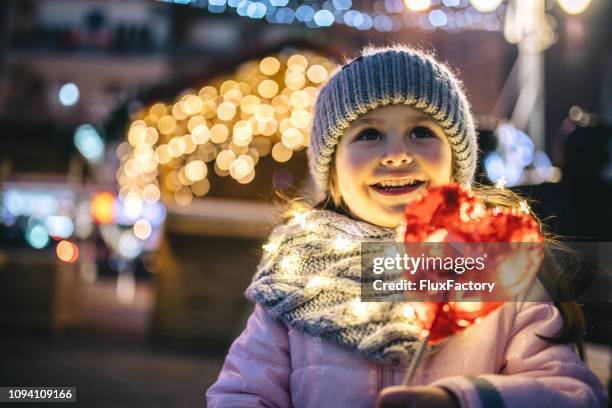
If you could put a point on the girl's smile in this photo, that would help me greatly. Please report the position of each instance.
(386, 158)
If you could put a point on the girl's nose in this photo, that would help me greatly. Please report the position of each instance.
(396, 156)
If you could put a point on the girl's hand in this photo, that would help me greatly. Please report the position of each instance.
(416, 397)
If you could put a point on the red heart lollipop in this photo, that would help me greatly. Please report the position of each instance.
(452, 214)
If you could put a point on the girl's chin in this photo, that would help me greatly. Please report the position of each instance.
(392, 217)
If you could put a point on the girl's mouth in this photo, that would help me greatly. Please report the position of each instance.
(397, 187)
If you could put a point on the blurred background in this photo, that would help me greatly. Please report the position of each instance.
(144, 144)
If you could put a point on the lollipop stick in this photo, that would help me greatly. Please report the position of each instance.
(418, 354)
(416, 358)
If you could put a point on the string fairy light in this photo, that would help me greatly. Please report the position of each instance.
(501, 183)
(342, 244)
(271, 246)
(524, 207)
(408, 312)
(316, 283)
(358, 308)
(289, 263)
(300, 218)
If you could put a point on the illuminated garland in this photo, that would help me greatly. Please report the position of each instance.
(380, 15)
(225, 127)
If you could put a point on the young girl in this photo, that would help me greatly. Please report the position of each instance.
(388, 125)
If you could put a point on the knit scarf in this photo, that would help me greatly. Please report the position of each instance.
(309, 277)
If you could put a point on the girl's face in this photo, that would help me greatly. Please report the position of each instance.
(386, 158)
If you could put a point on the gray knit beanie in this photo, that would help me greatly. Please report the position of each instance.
(393, 75)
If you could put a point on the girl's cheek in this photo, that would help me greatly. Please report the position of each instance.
(357, 160)
(436, 159)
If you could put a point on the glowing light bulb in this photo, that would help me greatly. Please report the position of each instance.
(288, 263)
(297, 62)
(300, 218)
(300, 118)
(317, 74)
(269, 66)
(295, 79)
(200, 134)
(271, 246)
(292, 138)
(166, 124)
(89, 143)
(342, 244)
(359, 308)
(574, 6)
(196, 170)
(485, 6)
(69, 94)
(268, 88)
(281, 153)
(37, 236)
(240, 168)
(67, 251)
(192, 104)
(315, 283)
(225, 158)
(142, 229)
(103, 208)
(200, 188)
(417, 5)
(151, 194)
(242, 133)
(226, 111)
(219, 133)
(129, 246)
(501, 183)
(524, 207)
(249, 103)
(408, 312)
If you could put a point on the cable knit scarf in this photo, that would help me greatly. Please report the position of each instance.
(309, 277)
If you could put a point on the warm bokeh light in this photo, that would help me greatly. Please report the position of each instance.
(219, 133)
(226, 111)
(183, 196)
(231, 123)
(225, 158)
(268, 88)
(417, 5)
(281, 153)
(103, 208)
(317, 74)
(269, 66)
(151, 193)
(200, 134)
(142, 229)
(264, 113)
(485, 6)
(166, 124)
(200, 188)
(69, 94)
(292, 138)
(242, 133)
(574, 6)
(67, 251)
(196, 170)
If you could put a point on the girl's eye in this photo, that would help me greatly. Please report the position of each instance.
(369, 134)
(421, 132)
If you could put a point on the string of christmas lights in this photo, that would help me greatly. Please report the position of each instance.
(225, 127)
(379, 15)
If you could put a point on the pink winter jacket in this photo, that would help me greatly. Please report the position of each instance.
(499, 359)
